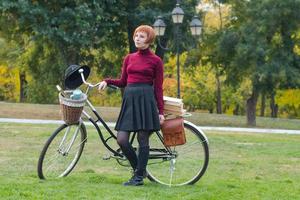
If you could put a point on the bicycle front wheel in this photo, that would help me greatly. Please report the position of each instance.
(62, 151)
(179, 165)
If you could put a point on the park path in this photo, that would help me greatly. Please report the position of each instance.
(210, 128)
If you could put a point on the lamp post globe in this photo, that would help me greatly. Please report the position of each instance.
(177, 15)
(196, 26)
(159, 26)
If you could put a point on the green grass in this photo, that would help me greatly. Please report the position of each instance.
(242, 166)
(42, 111)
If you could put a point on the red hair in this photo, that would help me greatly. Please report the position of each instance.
(148, 30)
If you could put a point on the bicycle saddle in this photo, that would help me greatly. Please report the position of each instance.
(72, 76)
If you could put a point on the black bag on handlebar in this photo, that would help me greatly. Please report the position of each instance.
(73, 78)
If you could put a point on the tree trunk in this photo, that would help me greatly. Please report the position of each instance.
(273, 106)
(131, 26)
(263, 104)
(23, 85)
(251, 108)
(236, 109)
(131, 7)
(219, 99)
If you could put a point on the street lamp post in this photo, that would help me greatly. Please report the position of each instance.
(177, 17)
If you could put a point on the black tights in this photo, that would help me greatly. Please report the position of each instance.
(137, 162)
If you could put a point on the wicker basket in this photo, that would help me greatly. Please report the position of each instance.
(71, 109)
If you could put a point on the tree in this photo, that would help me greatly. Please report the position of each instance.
(70, 26)
(10, 52)
(58, 34)
(97, 33)
(209, 53)
(264, 47)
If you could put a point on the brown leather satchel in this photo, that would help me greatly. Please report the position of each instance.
(173, 132)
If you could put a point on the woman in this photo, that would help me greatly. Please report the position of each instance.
(142, 105)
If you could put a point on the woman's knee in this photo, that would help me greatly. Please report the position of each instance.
(121, 142)
(143, 138)
(123, 138)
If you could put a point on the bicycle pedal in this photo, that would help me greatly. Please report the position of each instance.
(106, 157)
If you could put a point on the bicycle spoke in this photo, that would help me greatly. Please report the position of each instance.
(63, 156)
(76, 148)
(52, 163)
(190, 144)
(185, 150)
(187, 164)
(63, 151)
(53, 158)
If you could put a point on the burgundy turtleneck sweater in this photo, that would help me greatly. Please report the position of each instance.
(142, 66)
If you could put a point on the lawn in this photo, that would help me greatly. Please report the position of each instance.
(242, 166)
(44, 111)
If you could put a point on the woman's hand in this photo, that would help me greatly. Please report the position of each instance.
(161, 119)
(102, 85)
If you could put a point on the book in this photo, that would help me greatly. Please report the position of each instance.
(172, 112)
(172, 101)
(173, 107)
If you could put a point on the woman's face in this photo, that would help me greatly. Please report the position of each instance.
(140, 39)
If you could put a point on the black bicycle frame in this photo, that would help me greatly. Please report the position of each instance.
(163, 153)
(99, 119)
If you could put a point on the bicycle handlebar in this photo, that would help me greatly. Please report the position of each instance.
(91, 85)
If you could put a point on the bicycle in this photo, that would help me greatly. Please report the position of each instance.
(176, 166)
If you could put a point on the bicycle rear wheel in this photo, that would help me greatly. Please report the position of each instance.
(62, 151)
(179, 165)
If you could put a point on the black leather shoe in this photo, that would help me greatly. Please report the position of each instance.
(134, 181)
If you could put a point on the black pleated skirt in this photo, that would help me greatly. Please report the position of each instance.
(139, 109)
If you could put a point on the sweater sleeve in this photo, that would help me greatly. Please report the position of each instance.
(121, 82)
(158, 84)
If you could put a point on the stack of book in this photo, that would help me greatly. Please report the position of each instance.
(173, 106)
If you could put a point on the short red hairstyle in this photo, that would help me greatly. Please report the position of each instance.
(148, 30)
